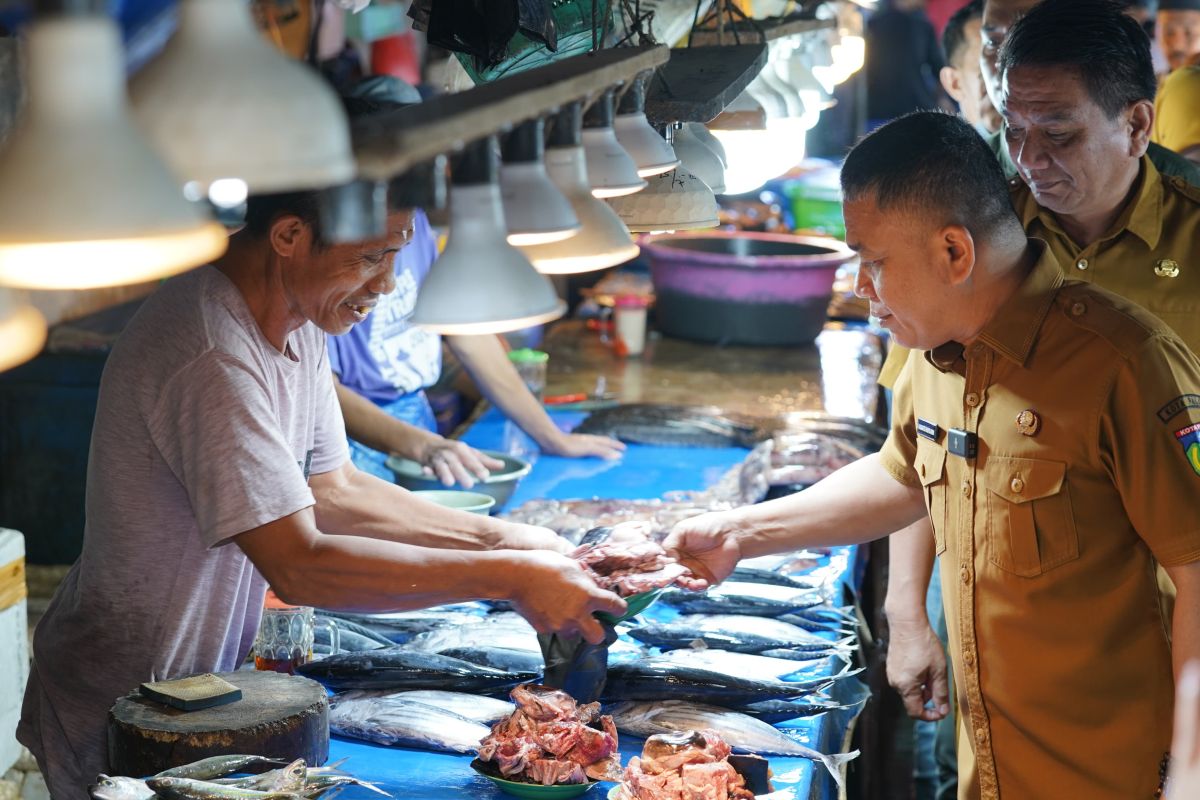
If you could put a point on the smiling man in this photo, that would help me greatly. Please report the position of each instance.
(1047, 433)
(219, 464)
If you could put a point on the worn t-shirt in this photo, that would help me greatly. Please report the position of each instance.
(203, 431)
(385, 356)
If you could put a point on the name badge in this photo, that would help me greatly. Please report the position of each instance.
(929, 430)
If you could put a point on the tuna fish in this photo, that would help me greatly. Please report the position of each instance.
(755, 599)
(389, 721)
(401, 668)
(472, 706)
(741, 634)
(661, 680)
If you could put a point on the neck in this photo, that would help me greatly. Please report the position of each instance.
(257, 272)
(1004, 267)
(1084, 229)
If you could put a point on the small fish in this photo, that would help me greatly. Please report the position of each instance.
(754, 599)
(498, 658)
(744, 574)
(319, 784)
(781, 710)
(741, 731)
(389, 721)
(118, 787)
(656, 679)
(191, 789)
(401, 668)
(742, 634)
(289, 779)
(219, 766)
(472, 706)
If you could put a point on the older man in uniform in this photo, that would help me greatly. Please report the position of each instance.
(1053, 440)
(1078, 88)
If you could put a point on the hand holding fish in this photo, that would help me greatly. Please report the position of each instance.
(916, 669)
(555, 595)
(707, 545)
(1184, 780)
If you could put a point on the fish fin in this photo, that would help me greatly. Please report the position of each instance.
(337, 763)
(698, 644)
(834, 763)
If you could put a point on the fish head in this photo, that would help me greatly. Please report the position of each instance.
(119, 788)
(292, 778)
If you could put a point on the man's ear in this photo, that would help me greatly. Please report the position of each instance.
(952, 83)
(957, 248)
(288, 234)
(1140, 119)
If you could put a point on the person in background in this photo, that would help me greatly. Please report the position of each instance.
(961, 77)
(1144, 12)
(382, 366)
(219, 465)
(1177, 111)
(903, 61)
(998, 17)
(1049, 436)
(1177, 29)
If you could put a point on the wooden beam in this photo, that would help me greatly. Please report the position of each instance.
(386, 145)
(699, 82)
(769, 29)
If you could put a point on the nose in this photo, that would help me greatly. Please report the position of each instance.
(385, 281)
(864, 287)
(1027, 153)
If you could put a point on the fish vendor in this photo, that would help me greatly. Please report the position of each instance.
(1050, 429)
(219, 465)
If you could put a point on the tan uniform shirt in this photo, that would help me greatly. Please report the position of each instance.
(1047, 537)
(1151, 255)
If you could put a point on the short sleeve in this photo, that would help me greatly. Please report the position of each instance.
(1176, 121)
(1150, 441)
(899, 452)
(330, 448)
(217, 432)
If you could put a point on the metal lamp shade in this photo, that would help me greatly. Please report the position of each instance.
(84, 202)
(602, 242)
(696, 157)
(535, 211)
(649, 151)
(481, 283)
(222, 103)
(610, 170)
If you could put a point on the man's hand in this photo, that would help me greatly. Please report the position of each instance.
(1184, 780)
(707, 545)
(916, 669)
(454, 462)
(518, 536)
(557, 596)
(584, 445)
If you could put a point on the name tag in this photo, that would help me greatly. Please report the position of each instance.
(929, 430)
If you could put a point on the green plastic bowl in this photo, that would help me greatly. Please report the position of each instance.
(535, 791)
(499, 485)
(475, 502)
(634, 605)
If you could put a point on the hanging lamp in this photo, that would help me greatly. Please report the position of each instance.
(698, 159)
(227, 109)
(610, 170)
(84, 201)
(22, 330)
(535, 210)
(603, 241)
(481, 283)
(650, 152)
(674, 201)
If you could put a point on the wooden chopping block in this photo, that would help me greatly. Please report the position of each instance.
(280, 716)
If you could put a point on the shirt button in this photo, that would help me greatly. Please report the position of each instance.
(980, 734)
(966, 575)
(969, 659)
(1078, 309)
(966, 489)
(972, 399)
(1082, 263)
(1017, 485)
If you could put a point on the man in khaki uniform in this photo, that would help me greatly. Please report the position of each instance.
(1080, 71)
(1055, 443)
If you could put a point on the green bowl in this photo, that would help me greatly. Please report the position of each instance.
(535, 791)
(499, 485)
(634, 605)
(475, 502)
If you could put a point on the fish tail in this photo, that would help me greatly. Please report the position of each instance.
(834, 764)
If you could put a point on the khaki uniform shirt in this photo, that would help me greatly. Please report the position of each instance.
(1177, 110)
(1151, 255)
(1047, 537)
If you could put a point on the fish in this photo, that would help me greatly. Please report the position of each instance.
(348, 641)
(389, 721)
(781, 710)
(656, 679)
(119, 787)
(742, 634)
(292, 778)
(498, 657)
(347, 626)
(824, 618)
(746, 665)
(401, 626)
(753, 599)
(741, 731)
(401, 668)
(219, 766)
(744, 574)
(472, 706)
(169, 788)
(319, 784)
(674, 426)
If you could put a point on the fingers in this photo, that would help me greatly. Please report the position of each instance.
(914, 700)
(940, 692)
(479, 464)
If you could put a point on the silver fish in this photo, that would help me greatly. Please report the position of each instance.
(291, 778)
(190, 789)
(742, 732)
(485, 710)
(737, 597)
(745, 664)
(744, 634)
(219, 767)
(391, 722)
(118, 787)
(323, 782)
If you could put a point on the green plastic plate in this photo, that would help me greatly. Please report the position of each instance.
(533, 790)
(634, 605)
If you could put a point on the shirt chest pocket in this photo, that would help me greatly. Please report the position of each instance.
(930, 465)
(1030, 524)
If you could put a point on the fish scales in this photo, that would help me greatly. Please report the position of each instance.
(407, 724)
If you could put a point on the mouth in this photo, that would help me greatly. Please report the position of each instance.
(359, 310)
(1043, 186)
(881, 316)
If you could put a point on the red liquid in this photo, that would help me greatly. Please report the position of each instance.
(284, 665)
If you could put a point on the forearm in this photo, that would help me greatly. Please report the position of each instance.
(910, 566)
(858, 503)
(484, 358)
(375, 428)
(1185, 624)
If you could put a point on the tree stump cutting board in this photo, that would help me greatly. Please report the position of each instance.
(280, 716)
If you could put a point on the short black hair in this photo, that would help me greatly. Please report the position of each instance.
(954, 37)
(932, 164)
(1106, 47)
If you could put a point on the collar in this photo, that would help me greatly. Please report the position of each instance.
(1015, 325)
(1142, 215)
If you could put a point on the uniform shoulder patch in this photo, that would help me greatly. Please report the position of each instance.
(1189, 437)
(1178, 406)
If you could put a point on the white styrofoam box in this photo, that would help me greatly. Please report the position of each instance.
(14, 656)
